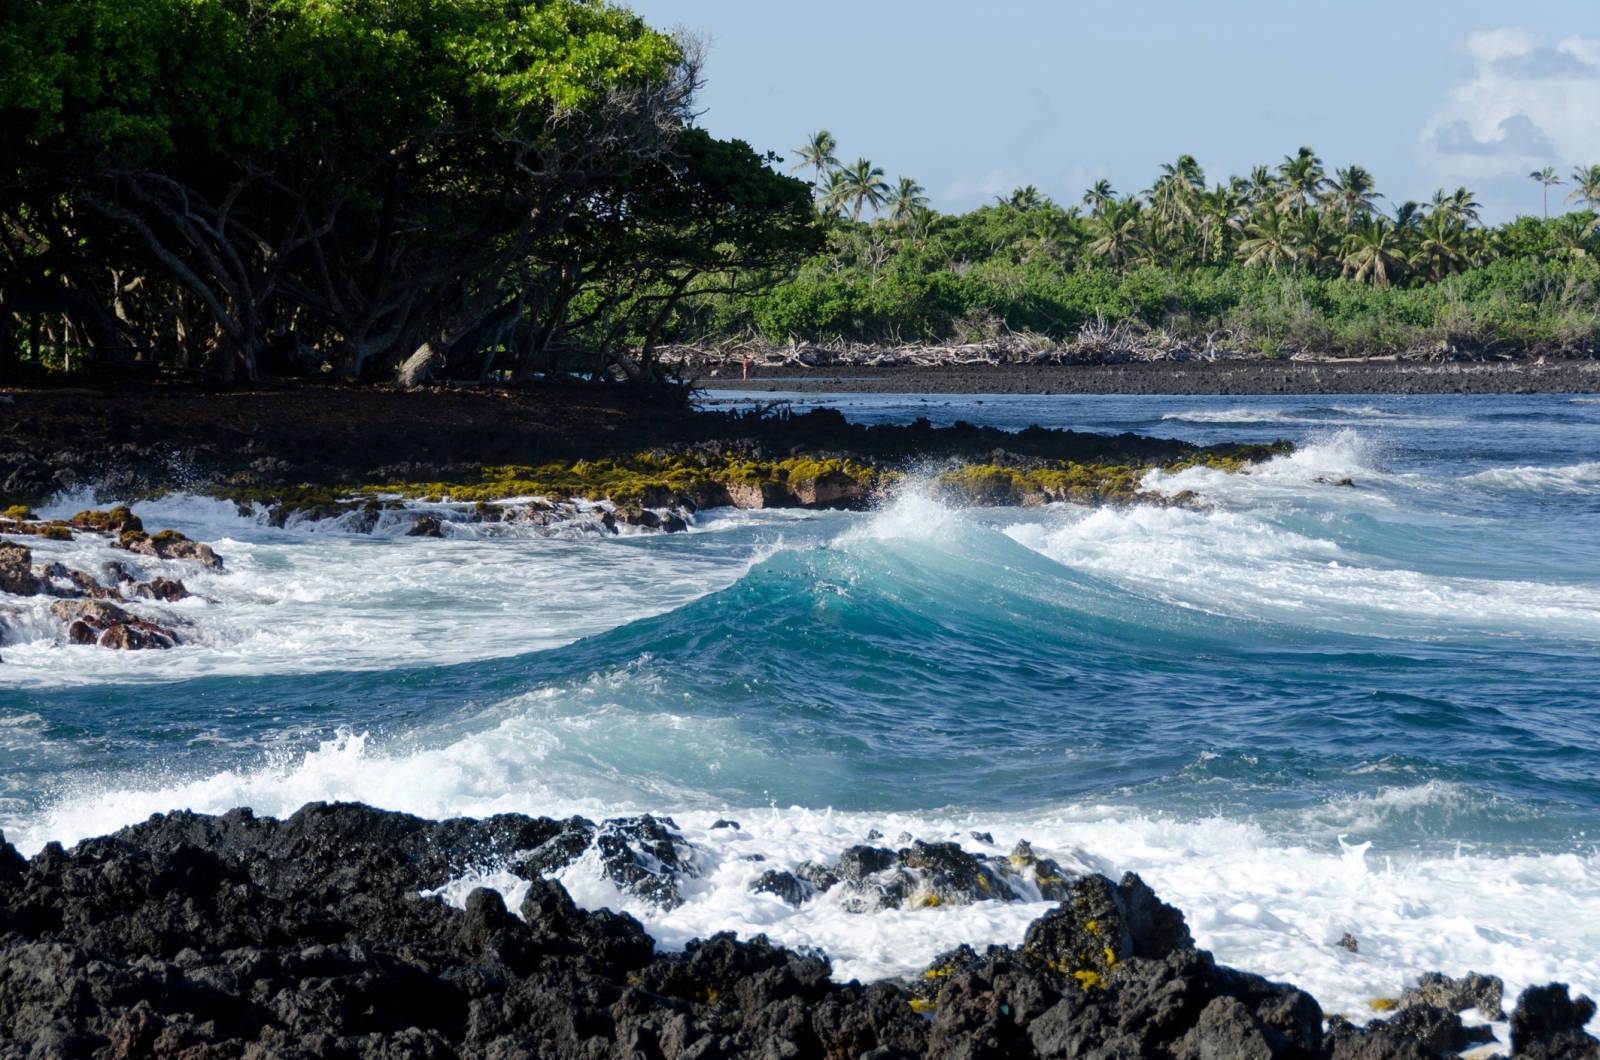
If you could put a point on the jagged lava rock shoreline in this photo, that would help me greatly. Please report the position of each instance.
(322, 936)
(273, 443)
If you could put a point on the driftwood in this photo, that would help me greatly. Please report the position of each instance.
(1097, 343)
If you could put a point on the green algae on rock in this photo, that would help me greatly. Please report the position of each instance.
(690, 481)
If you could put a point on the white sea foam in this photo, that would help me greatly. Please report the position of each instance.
(1245, 565)
(1269, 548)
(1568, 478)
(1329, 458)
(313, 598)
(1234, 415)
(1342, 416)
(1261, 903)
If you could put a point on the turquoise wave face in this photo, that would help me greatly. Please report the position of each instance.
(1256, 660)
(1302, 710)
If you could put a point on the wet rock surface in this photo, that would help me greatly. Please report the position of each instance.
(1482, 992)
(141, 441)
(868, 878)
(109, 626)
(1549, 1025)
(317, 936)
(89, 608)
(16, 570)
(168, 544)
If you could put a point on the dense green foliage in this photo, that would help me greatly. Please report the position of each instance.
(421, 187)
(1288, 258)
(415, 189)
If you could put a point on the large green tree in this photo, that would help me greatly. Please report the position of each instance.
(370, 174)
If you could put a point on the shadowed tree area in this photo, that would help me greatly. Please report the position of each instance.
(371, 189)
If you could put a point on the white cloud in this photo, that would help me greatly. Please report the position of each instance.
(1494, 45)
(1527, 104)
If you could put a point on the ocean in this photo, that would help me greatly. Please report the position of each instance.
(1306, 709)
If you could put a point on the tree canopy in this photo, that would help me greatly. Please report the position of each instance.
(397, 187)
(1295, 254)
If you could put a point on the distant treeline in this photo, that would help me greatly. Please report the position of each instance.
(405, 190)
(373, 189)
(1291, 257)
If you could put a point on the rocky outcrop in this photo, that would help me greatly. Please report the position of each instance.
(118, 520)
(868, 878)
(87, 608)
(315, 936)
(1549, 1025)
(167, 590)
(1482, 992)
(168, 544)
(426, 526)
(109, 626)
(667, 521)
(61, 580)
(16, 570)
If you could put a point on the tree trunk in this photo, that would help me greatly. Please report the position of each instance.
(414, 370)
(5, 342)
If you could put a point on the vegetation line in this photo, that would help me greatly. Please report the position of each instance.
(500, 190)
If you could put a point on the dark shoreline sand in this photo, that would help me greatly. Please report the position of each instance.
(1191, 377)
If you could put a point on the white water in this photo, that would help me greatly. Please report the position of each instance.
(314, 597)
(1274, 908)
(1274, 544)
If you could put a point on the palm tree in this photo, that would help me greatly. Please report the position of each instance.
(1174, 194)
(1303, 177)
(1373, 251)
(1097, 197)
(1315, 236)
(1458, 205)
(1268, 241)
(1547, 177)
(834, 193)
(1263, 186)
(1571, 235)
(1441, 243)
(1117, 232)
(1220, 214)
(1407, 219)
(906, 199)
(1586, 181)
(864, 186)
(818, 153)
(1353, 192)
(1027, 198)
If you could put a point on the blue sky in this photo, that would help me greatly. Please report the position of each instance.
(973, 99)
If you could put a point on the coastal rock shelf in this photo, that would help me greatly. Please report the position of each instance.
(322, 935)
(89, 607)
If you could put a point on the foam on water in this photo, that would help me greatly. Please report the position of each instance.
(314, 597)
(1572, 478)
(1246, 566)
(1260, 903)
(1309, 416)
(799, 660)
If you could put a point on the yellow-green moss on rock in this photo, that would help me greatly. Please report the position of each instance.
(648, 480)
(730, 479)
(114, 520)
(991, 484)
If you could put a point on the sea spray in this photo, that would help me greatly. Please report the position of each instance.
(1302, 710)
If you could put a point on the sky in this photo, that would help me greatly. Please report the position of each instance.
(973, 99)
